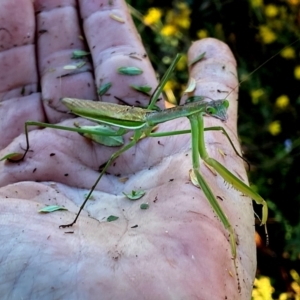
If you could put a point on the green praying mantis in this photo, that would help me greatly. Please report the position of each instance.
(142, 122)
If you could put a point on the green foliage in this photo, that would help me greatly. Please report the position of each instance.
(269, 102)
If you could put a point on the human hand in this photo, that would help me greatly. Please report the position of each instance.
(179, 249)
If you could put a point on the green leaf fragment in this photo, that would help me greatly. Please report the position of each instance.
(131, 71)
(79, 54)
(144, 206)
(145, 89)
(112, 218)
(51, 208)
(104, 88)
(80, 64)
(116, 18)
(69, 67)
(191, 86)
(134, 195)
(90, 198)
(12, 156)
(74, 67)
(194, 99)
(198, 58)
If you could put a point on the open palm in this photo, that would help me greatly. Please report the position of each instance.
(177, 249)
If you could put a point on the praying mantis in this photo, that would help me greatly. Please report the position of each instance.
(142, 122)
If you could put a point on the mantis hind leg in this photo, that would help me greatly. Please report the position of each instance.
(17, 157)
(109, 162)
(215, 128)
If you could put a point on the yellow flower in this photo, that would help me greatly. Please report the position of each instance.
(295, 275)
(284, 296)
(170, 85)
(295, 287)
(293, 2)
(288, 52)
(182, 64)
(266, 34)
(168, 30)
(184, 8)
(256, 94)
(275, 127)
(170, 99)
(256, 3)
(180, 16)
(297, 72)
(219, 31)
(295, 284)
(271, 10)
(263, 289)
(153, 16)
(168, 89)
(202, 33)
(183, 22)
(282, 101)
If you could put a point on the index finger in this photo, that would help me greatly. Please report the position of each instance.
(107, 32)
(113, 42)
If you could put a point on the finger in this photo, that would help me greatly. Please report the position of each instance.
(117, 45)
(56, 42)
(19, 95)
(215, 74)
(58, 35)
(111, 38)
(216, 78)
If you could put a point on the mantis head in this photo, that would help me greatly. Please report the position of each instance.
(218, 109)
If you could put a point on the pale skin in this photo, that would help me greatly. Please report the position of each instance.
(179, 250)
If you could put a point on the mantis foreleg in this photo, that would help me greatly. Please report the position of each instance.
(204, 186)
(220, 128)
(196, 136)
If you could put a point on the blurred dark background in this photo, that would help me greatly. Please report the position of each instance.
(269, 103)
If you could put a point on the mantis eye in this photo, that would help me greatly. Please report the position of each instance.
(211, 110)
(226, 103)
